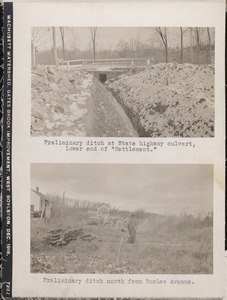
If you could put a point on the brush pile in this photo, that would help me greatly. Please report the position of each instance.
(61, 237)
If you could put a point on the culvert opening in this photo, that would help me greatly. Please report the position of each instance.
(102, 77)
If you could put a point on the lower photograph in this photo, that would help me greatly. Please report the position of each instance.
(121, 218)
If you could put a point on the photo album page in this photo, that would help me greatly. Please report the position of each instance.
(114, 160)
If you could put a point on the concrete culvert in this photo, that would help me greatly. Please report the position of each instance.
(103, 77)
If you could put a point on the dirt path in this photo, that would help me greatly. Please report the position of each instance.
(105, 116)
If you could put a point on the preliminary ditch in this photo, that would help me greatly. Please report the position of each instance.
(106, 117)
(143, 104)
(126, 113)
(128, 117)
(132, 116)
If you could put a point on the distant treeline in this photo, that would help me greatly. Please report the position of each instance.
(81, 207)
(203, 55)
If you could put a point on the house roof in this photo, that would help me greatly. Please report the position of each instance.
(42, 196)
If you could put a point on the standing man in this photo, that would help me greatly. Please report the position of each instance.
(132, 227)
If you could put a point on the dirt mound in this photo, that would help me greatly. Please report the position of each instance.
(73, 103)
(169, 100)
(58, 101)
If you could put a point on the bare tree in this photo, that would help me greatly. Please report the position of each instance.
(163, 35)
(93, 31)
(55, 47)
(131, 44)
(134, 46)
(191, 30)
(122, 48)
(209, 46)
(62, 31)
(38, 34)
(181, 46)
(74, 41)
(198, 43)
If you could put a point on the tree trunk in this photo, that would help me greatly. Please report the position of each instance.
(62, 31)
(163, 35)
(55, 47)
(33, 55)
(167, 54)
(191, 46)
(209, 46)
(198, 45)
(93, 31)
(181, 43)
(166, 45)
(94, 50)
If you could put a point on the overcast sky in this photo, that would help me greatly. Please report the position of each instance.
(108, 37)
(167, 189)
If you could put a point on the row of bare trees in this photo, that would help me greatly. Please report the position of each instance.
(198, 37)
(37, 36)
(37, 40)
(163, 34)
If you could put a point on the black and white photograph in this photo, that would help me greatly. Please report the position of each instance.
(113, 150)
(122, 81)
(121, 218)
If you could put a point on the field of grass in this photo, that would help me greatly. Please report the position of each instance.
(164, 244)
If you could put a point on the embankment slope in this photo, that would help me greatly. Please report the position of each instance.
(169, 100)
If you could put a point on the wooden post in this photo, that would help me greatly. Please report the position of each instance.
(32, 211)
(33, 54)
(43, 211)
(119, 251)
(62, 205)
(55, 47)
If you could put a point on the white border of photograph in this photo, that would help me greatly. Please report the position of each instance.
(28, 150)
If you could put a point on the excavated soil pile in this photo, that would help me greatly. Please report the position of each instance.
(73, 103)
(169, 100)
(58, 101)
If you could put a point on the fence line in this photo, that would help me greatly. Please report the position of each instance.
(105, 61)
(124, 241)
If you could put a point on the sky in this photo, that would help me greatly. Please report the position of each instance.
(164, 189)
(108, 37)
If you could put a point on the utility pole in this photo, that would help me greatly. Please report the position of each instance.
(55, 47)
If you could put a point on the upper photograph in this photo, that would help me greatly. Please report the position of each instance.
(122, 81)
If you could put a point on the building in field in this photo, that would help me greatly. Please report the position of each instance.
(41, 206)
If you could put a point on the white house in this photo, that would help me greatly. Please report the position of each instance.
(40, 203)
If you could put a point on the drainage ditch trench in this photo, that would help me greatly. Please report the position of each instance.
(108, 116)
(127, 115)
